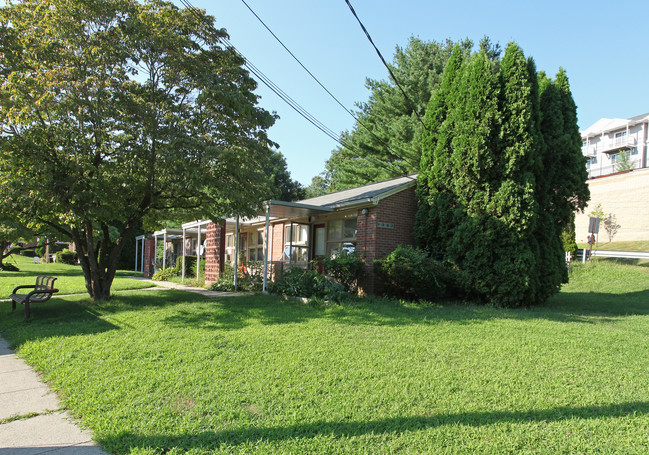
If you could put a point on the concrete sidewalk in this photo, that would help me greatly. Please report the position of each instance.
(33, 420)
(195, 290)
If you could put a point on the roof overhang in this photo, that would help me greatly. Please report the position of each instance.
(288, 210)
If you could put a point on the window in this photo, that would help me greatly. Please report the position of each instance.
(296, 240)
(229, 248)
(256, 252)
(341, 237)
(620, 134)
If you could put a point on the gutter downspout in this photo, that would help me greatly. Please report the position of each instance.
(155, 253)
(265, 287)
(236, 253)
(182, 276)
(198, 253)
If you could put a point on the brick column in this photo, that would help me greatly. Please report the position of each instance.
(149, 252)
(214, 252)
(373, 241)
(366, 248)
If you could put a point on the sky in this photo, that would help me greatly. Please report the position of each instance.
(603, 48)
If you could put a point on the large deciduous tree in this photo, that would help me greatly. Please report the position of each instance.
(500, 176)
(114, 111)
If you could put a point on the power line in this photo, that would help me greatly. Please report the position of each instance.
(358, 120)
(394, 79)
(270, 84)
(279, 92)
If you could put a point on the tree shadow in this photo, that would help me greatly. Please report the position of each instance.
(79, 315)
(346, 429)
(231, 313)
(236, 313)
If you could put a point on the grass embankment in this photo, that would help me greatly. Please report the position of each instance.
(642, 245)
(171, 372)
(70, 277)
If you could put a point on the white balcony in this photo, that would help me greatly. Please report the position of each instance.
(589, 150)
(618, 143)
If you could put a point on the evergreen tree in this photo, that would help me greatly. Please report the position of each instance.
(386, 141)
(492, 202)
(435, 176)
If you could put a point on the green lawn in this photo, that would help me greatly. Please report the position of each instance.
(70, 277)
(642, 245)
(171, 372)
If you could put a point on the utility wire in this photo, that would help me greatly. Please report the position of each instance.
(279, 92)
(270, 84)
(394, 79)
(360, 122)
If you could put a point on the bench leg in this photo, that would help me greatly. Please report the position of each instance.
(27, 309)
(13, 305)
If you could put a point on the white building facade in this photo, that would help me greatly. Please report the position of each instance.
(616, 145)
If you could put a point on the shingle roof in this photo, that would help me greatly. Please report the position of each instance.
(361, 193)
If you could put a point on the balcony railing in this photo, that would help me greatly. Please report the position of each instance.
(609, 145)
(599, 170)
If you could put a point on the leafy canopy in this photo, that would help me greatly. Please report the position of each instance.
(114, 111)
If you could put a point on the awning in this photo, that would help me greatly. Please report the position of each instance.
(284, 209)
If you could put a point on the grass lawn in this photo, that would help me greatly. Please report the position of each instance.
(70, 277)
(642, 245)
(171, 372)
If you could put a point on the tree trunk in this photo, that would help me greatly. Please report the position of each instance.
(99, 264)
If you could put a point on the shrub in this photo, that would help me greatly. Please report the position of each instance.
(345, 269)
(569, 243)
(67, 257)
(251, 278)
(409, 273)
(165, 274)
(28, 253)
(299, 282)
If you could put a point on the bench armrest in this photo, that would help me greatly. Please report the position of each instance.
(27, 286)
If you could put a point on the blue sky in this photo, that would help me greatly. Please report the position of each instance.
(604, 49)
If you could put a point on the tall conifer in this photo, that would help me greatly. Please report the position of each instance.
(494, 198)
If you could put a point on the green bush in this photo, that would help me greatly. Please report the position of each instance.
(28, 253)
(299, 282)
(410, 274)
(251, 278)
(345, 269)
(165, 274)
(569, 243)
(40, 248)
(67, 257)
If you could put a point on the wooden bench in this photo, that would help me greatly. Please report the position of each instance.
(42, 292)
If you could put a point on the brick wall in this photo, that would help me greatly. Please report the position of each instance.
(374, 241)
(149, 253)
(278, 242)
(214, 252)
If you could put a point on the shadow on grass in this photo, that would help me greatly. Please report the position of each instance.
(239, 312)
(78, 315)
(347, 429)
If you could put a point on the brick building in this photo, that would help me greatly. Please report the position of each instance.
(371, 220)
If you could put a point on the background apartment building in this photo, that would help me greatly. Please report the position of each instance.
(615, 145)
(618, 171)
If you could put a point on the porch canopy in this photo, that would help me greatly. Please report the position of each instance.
(198, 230)
(286, 210)
(165, 234)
